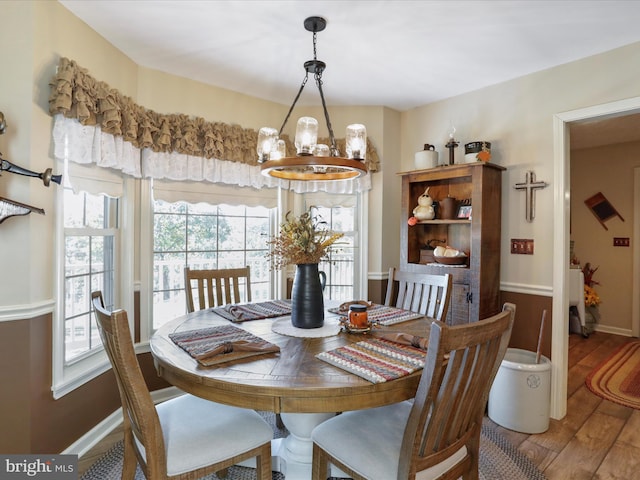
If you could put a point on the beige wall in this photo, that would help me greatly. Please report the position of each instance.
(35, 36)
(517, 117)
(166, 94)
(608, 170)
(15, 145)
(384, 220)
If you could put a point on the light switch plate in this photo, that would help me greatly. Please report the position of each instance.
(620, 241)
(522, 246)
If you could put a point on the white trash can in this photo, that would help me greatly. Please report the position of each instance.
(520, 396)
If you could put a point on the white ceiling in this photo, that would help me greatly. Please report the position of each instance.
(605, 131)
(400, 54)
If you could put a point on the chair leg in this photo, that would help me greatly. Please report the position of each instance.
(473, 448)
(130, 462)
(263, 463)
(319, 467)
(279, 422)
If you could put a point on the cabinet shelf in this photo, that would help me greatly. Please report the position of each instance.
(476, 287)
(445, 222)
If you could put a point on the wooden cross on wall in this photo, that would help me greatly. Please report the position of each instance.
(530, 186)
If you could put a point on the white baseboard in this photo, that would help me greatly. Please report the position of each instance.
(106, 426)
(625, 332)
(539, 290)
(378, 275)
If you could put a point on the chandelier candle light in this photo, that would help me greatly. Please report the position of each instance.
(313, 161)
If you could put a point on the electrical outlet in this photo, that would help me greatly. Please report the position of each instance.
(522, 246)
(620, 241)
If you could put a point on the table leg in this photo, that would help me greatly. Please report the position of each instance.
(295, 452)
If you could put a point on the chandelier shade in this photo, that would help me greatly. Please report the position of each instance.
(312, 161)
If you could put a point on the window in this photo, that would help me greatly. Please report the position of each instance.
(206, 236)
(340, 266)
(347, 264)
(94, 239)
(203, 225)
(90, 250)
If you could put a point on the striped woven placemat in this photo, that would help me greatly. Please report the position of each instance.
(254, 311)
(385, 315)
(376, 359)
(202, 342)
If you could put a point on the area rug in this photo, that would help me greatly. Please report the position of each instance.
(618, 378)
(499, 460)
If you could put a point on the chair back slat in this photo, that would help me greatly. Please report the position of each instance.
(140, 418)
(216, 287)
(423, 293)
(447, 412)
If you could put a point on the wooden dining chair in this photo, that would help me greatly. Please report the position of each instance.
(424, 293)
(216, 287)
(183, 438)
(437, 435)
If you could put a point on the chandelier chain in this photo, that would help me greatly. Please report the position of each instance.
(332, 139)
(295, 100)
(315, 40)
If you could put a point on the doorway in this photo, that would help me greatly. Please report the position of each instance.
(560, 308)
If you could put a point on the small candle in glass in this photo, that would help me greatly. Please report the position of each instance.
(356, 140)
(358, 316)
(306, 135)
(267, 138)
(321, 150)
(279, 150)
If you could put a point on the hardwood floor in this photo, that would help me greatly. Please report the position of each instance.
(597, 439)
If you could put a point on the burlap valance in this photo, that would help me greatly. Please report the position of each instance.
(75, 94)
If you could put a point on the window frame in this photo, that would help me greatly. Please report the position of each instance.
(147, 230)
(66, 377)
(286, 201)
(189, 254)
(301, 204)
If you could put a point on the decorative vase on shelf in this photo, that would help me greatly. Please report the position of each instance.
(307, 301)
(448, 207)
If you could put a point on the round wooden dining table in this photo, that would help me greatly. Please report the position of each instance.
(293, 382)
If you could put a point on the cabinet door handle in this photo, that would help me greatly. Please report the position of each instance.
(469, 297)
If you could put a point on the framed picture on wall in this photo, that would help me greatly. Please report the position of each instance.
(464, 212)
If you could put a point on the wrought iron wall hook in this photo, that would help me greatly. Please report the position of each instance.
(47, 177)
(11, 208)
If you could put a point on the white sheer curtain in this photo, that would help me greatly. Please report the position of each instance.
(193, 193)
(88, 144)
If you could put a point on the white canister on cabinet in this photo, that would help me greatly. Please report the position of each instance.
(427, 158)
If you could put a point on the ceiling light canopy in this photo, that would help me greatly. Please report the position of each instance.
(313, 161)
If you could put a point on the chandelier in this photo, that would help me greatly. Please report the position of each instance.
(313, 161)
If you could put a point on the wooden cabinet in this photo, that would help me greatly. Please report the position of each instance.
(476, 285)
